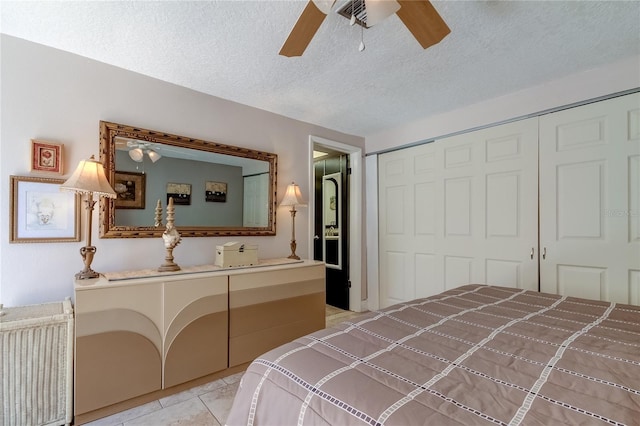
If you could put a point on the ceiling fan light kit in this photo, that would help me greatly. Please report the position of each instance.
(379, 10)
(153, 155)
(138, 149)
(419, 16)
(136, 154)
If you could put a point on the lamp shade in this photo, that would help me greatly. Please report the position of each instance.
(89, 178)
(293, 196)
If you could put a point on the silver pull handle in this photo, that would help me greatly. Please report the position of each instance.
(544, 253)
(315, 237)
(531, 253)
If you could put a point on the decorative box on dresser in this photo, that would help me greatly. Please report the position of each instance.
(146, 334)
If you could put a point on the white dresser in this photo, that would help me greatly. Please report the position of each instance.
(143, 334)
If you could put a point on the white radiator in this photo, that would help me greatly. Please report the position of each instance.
(36, 361)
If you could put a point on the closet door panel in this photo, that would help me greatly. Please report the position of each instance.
(589, 188)
(581, 194)
(634, 286)
(461, 204)
(507, 273)
(634, 199)
(490, 190)
(457, 206)
(503, 214)
(409, 222)
(459, 210)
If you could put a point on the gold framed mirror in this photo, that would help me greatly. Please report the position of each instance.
(218, 190)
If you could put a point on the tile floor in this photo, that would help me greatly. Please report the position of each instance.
(205, 405)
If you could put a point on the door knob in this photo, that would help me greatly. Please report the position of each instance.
(315, 237)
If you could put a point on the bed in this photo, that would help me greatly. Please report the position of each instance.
(476, 354)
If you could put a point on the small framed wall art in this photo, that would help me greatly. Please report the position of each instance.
(130, 190)
(181, 193)
(41, 213)
(215, 192)
(47, 157)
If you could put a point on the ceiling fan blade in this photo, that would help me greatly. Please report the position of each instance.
(303, 31)
(424, 22)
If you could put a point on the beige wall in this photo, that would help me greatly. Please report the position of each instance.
(53, 95)
(49, 94)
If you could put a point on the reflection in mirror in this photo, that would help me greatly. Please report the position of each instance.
(217, 189)
(332, 220)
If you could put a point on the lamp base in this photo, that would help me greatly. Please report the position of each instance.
(293, 254)
(86, 274)
(87, 254)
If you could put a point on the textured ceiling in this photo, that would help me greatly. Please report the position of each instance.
(230, 49)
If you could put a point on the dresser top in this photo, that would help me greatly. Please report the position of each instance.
(110, 279)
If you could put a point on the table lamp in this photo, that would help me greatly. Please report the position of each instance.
(89, 179)
(293, 198)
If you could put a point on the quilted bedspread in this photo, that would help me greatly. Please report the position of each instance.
(472, 355)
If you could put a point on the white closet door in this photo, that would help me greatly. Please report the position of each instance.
(589, 201)
(459, 210)
(489, 202)
(255, 207)
(407, 224)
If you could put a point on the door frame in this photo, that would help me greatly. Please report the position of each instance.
(356, 225)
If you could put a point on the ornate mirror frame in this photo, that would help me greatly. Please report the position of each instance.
(109, 229)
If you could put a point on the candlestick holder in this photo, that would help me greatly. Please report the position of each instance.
(158, 218)
(171, 238)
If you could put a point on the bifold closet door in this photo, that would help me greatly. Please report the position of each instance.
(407, 224)
(459, 210)
(489, 205)
(256, 200)
(589, 201)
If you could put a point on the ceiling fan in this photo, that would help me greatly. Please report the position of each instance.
(137, 149)
(419, 16)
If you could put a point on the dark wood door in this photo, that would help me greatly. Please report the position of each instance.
(337, 279)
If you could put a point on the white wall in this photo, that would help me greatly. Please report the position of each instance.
(612, 78)
(580, 87)
(56, 96)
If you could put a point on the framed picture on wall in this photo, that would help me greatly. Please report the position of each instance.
(46, 157)
(41, 213)
(130, 190)
(215, 192)
(180, 192)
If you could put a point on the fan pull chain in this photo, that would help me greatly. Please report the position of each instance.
(362, 46)
(352, 21)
